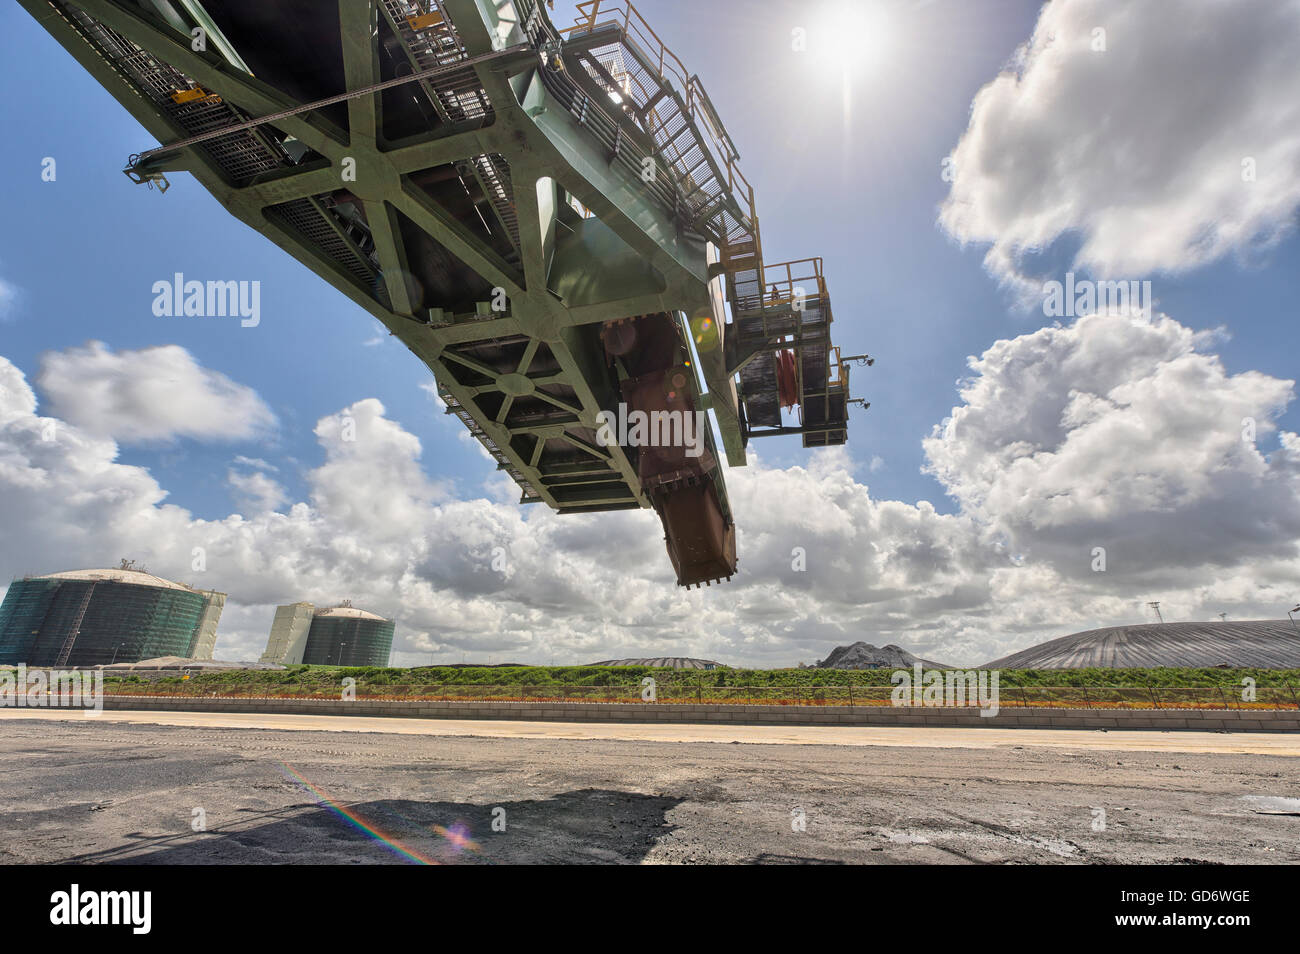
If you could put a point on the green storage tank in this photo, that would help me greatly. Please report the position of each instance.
(347, 636)
(99, 617)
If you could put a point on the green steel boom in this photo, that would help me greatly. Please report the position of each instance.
(553, 221)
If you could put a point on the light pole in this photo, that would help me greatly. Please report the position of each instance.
(1292, 618)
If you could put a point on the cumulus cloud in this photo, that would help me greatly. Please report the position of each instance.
(371, 482)
(1112, 432)
(1121, 434)
(1151, 159)
(151, 395)
(256, 492)
(17, 402)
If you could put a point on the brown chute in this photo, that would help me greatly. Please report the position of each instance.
(787, 380)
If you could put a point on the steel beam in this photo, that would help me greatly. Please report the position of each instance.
(214, 74)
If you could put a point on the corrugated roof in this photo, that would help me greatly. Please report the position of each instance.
(1265, 643)
(663, 662)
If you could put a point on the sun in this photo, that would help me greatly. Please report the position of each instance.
(853, 36)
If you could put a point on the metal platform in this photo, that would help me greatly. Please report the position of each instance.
(497, 192)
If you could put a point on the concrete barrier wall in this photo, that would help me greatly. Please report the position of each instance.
(1241, 720)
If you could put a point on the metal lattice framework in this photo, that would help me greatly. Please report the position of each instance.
(496, 192)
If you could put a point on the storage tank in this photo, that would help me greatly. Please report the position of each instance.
(100, 617)
(346, 636)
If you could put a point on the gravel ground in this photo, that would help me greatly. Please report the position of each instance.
(80, 791)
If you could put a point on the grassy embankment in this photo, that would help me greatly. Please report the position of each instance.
(1098, 688)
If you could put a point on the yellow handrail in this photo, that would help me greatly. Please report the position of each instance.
(636, 29)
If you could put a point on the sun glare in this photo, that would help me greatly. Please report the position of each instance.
(853, 36)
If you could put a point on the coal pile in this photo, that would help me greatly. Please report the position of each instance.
(862, 655)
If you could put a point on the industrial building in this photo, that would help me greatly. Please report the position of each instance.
(1248, 644)
(101, 617)
(338, 636)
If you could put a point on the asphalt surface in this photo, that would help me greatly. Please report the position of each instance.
(115, 790)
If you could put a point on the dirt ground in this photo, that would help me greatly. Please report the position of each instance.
(88, 791)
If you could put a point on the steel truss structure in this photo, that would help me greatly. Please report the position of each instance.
(554, 221)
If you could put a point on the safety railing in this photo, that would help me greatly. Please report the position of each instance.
(641, 40)
(1007, 696)
(838, 371)
(784, 284)
(596, 13)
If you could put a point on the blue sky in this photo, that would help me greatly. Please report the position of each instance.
(82, 253)
(864, 198)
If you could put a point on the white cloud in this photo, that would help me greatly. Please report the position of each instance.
(17, 402)
(151, 395)
(1138, 150)
(1115, 432)
(1110, 432)
(256, 492)
(371, 482)
(256, 463)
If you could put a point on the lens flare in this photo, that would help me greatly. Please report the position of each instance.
(361, 824)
